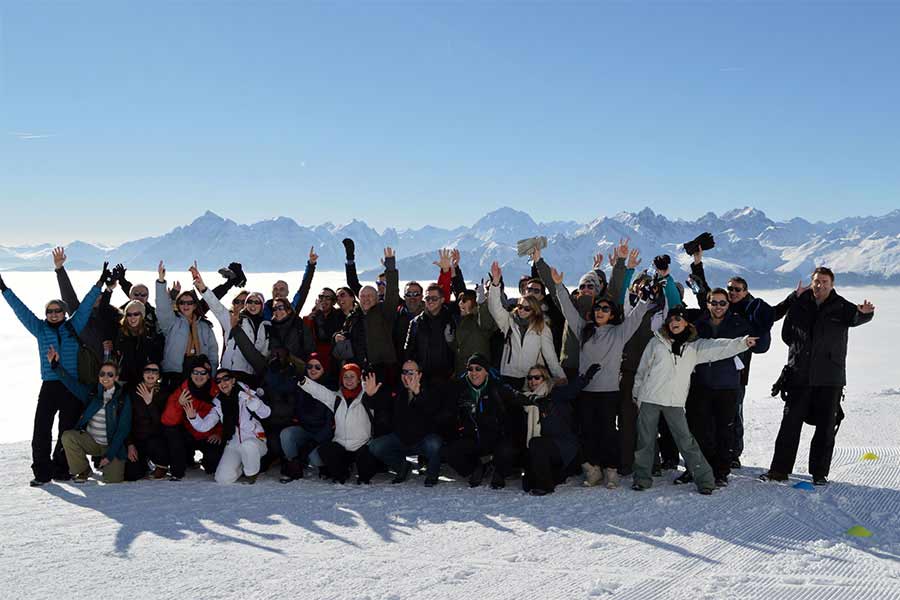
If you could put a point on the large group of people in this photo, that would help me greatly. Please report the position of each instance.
(613, 379)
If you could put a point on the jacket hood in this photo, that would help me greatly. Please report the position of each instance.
(663, 334)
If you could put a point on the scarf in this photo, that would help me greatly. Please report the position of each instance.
(533, 412)
(230, 409)
(679, 340)
(350, 394)
(193, 344)
(470, 401)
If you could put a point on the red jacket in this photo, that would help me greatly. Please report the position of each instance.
(174, 414)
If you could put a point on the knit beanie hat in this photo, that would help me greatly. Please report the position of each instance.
(595, 278)
(480, 360)
(677, 311)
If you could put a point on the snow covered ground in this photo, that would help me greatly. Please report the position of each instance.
(311, 539)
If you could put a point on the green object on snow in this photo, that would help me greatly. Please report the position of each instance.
(870, 456)
(859, 531)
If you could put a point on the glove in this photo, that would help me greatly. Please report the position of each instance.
(526, 246)
(480, 296)
(349, 249)
(105, 274)
(118, 273)
(591, 371)
(3, 287)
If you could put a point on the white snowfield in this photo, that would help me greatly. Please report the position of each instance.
(312, 539)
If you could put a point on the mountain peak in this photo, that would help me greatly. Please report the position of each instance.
(746, 213)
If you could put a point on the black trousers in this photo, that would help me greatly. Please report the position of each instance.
(710, 417)
(627, 421)
(153, 448)
(544, 468)
(338, 461)
(599, 437)
(464, 454)
(181, 446)
(53, 398)
(665, 443)
(820, 403)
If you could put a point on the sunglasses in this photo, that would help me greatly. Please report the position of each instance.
(534, 290)
(186, 303)
(237, 302)
(279, 308)
(523, 307)
(380, 283)
(408, 372)
(151, 370)
(412, 294)
(222, 378)
(732, 288)
(432, 298)
(107, 373)
(135, 314)
(676, 318)
(254, 302)
(314, 367)
(474, 369)
(604, 308)
(586, 286)
(326, 297)
(55, 311)
(199, 372)
(140, 294)
(343, 295)
(722, 303)
(535, 377)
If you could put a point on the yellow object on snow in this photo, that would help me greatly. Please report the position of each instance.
(859, 531)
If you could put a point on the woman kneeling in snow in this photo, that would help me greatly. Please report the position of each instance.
(239, 410)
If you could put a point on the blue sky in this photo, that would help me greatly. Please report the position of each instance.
(119, 120)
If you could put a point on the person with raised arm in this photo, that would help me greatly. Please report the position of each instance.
(146, 441)
(324, 321)
(136, 344)
(250, 320)
(816, 323)
(239, 410)
(54, 330)
(280, 288)
(187, 334)
(352, 406)
(661, 388)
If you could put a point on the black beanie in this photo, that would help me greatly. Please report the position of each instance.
(480, 360)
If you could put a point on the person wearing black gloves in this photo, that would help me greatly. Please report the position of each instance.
(815, 330)
(61, 334)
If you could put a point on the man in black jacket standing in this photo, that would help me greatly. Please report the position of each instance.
(815, 328)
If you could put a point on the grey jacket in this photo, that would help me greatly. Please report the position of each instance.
(606, 344)
(177, 329)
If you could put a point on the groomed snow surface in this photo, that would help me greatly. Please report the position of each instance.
(312, 539)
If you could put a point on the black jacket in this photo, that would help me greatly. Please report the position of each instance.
(292, 406)
(426, 342)
(816, 337)
(722, 374)
(135, 351)
(414, 417)
(482, 421)
(145, 418)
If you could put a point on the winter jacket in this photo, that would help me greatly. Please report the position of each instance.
(146, 419)
(634, 347)
(473, 336)
(135, 351)
(58, 336)
(369, 340)
(177, 331)
(664, 378)
(292, 334)
(323, 328)
(414, 416)
(250, 410)
(118, 412)
(722, 374)
(232, 357)
(521, 353)
(429, 342)
(816, 337)
(104, 319)
(352, 420)
(606, 344)
(173, 415)
(482, 421)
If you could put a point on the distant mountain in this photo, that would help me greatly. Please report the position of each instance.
(765, 252)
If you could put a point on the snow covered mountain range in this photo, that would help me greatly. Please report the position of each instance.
(767, 253)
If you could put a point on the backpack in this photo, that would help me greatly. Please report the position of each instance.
(88, 361)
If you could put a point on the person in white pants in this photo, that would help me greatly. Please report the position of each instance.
(239, 409)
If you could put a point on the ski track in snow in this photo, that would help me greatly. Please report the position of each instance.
(311, 539)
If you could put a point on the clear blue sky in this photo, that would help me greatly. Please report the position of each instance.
(120, 119)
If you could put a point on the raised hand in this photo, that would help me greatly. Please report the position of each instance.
(415, 382)
(443, 260)
(866, 307)
(634, 259)
(59, 257)
(556, 275)
(454, 259)
(389, 252)
(371, 385)
(698, 255)
(176, 287)
(119, 272)
(189, 410)
(622, 248)
(496, 273)
(184, 398)
(535, 255)
(313, 257)
(194, 271)
(198, 279)
(161, 271)
(145, 393)
(800, 288)
(598, 260)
